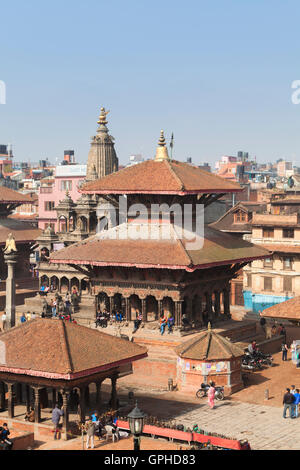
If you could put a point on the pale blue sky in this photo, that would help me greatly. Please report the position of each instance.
(216, 73)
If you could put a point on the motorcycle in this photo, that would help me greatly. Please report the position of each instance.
(101, 321)
(202, 392)
(266, 359)
(249, 362)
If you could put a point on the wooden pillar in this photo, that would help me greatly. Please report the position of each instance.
(19, 394)
(226, 296)
(59, 288)
(65, 396)
(28, 401)
(209, 305)
(82, 403)
(113, 399)
(37, 405)
(2, 396)
(217, 304)
(144, 310)
(10, 400)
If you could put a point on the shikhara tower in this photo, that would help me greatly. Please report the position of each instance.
(102, 159)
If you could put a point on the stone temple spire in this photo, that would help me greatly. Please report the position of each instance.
(162, 151)
(102, 159)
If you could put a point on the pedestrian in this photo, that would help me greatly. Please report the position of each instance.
(211, 395)
(23, 318)
(293, 389)
(33, 316)
(4, 437)
(53, 306)
(163, 324)
(296, 402)
(288, 401)
(56, 414)
(90, 434)
(284, 349)
(4, 321)
(283, 333)
(262, 323)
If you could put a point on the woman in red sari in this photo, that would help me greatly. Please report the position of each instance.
(211, 395)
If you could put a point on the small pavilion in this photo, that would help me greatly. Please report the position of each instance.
(209, 357)
(52, 354)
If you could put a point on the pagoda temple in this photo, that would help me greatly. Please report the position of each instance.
(126, 268)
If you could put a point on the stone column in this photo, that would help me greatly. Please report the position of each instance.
(113, 399)
(87, 395)
(10, 401)
(159, 308)
(10, 306)
(2, 396)
(179, 312)
(37, 405)
(144, 310)
(111, 304)
(127, 309)
(65, 396)
(98, 396)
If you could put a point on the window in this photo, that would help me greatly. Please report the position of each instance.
(240, 217)
(268, 263)
(268, 233)
(287, 263)
(287, 284)
(267, 283)
(249, 280)
(49, 205)
(52, 226)
(288, 233)
(276, 210)
(66, 185)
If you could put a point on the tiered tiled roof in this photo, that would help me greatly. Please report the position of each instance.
(55, 349)
(161, 177)
(208, 346)
(115, 248)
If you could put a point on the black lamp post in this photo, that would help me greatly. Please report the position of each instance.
(136, 424)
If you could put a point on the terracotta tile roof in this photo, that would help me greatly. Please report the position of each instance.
(112, 248)
(226, 222)
(161, 177)
(58, 349)
(10, 196)
(208, 346)
(289, 310)
(22, 231)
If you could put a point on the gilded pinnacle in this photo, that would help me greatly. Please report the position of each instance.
(102, 117)
(162, 151)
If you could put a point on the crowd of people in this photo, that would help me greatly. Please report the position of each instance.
(291, 400)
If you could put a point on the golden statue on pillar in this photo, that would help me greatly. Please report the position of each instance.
(10, 245)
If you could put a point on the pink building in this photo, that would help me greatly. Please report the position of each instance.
(67, 178)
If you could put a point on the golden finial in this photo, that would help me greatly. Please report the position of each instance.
(209, 327)
(102, 117)
(162, 151)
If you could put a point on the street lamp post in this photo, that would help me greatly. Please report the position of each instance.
(136, 424)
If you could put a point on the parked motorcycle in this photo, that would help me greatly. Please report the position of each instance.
(202, 392)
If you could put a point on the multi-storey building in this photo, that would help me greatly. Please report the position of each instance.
(277, 277)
